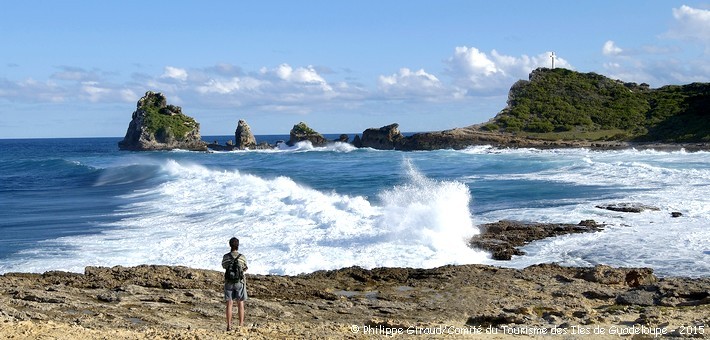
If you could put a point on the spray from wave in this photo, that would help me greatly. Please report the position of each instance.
(285, 227)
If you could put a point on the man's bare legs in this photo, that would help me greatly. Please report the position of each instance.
(229, 315)
(240, 312)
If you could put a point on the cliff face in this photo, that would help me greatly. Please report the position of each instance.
(155, 125)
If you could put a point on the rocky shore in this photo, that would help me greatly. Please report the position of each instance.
(475, 301)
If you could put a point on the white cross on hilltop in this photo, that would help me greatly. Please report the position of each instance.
(552, 56)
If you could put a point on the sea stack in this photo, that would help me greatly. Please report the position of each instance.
(385, 138)
(243, 137)
(302, 132)
(155, 125)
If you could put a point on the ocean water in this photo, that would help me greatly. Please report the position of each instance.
(70, 203)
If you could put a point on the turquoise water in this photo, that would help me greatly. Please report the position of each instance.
(69, 203)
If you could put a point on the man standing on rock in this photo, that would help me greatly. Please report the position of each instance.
(235, 286)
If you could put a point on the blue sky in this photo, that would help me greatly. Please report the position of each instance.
(77, 68)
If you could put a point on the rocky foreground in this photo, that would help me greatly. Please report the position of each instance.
(475, 301)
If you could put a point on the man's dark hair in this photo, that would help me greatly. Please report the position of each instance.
(234, 243)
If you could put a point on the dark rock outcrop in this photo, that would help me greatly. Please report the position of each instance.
(357, 142)
(390, 138)
(385, 138)
(503, 238)
(155, 125)
(627, 207)
(302, 132)
(243, 136)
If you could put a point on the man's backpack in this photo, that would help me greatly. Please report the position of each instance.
(235, 272)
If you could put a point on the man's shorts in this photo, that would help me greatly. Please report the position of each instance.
(235, 291)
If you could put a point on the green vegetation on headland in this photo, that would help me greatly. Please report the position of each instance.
(564, 104)
(165, 122)
(155, 125)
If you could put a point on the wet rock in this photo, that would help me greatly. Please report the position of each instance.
(503, 238)
(627, 207)
(676, 214)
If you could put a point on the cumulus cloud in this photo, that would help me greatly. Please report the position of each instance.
(299, 75)
(475, 71)
(175, 73)
(691, 24)
(410, 83)
(610, 48)
(472, 61)
(231, 85)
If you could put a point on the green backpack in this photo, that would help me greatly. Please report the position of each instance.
(235, 272)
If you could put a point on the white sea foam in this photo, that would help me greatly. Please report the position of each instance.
(672, 246)
(284, 227)
(308, 146)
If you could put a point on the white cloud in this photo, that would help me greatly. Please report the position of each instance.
(663, 63)
(474, 71)
(691, 24)
(305, 78)
(410, 83)
(175, 73)
(610, 49)
(232, 85)
(472, 61)
(129, 95)
(93, 92)
(299, 75)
